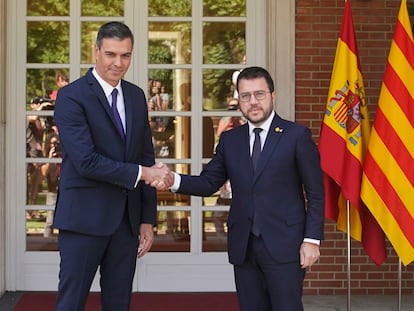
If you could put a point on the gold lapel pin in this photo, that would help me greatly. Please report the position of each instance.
(278, 130)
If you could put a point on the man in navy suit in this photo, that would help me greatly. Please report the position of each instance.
(105, 213)
(276, 218)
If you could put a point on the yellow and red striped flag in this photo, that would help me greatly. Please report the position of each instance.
(388, 179)
(343, 142)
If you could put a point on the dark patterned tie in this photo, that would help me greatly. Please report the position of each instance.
(116, 113)
(257, 148)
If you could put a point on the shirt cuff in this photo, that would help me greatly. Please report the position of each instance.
(177, 182)
(313, 241)
(139, 176)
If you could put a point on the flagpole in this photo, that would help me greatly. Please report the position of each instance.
(399, 284)
(348, 230)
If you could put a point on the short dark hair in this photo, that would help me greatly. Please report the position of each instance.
(250, 73)
(115, 30)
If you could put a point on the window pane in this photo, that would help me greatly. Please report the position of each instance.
(41, 48)
(217, 88)
(209, 137)
(169, 8)
(224, 43)
(102, 7)
(169, 43)
(89, 31)
(169, 90)
(215, 231)
(38, 131)
(224, 8)
(43, 175)
(47, 7)
(167, 198)
(40, 235)
(172, 232)
(42, 86)
(213, 126)
(171, 136)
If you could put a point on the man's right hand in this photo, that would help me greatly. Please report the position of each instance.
(158, 176)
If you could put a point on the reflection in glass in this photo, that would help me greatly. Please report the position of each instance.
(224, 43)
(42, 86)
(217, 88)
(169, 43)
(40, 236)
(89, 31)
(172, 232)
(102, 8)
(171, 137)
(224, 8)
(215, 231)
(169, 8)
(48, 42)
(47, 8)
(209, 137)
(168, 198)
(169, 90)
(43, 175)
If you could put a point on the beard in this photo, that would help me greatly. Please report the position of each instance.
(256, 115)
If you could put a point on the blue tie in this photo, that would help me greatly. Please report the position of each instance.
(257, 148)
(116, 113)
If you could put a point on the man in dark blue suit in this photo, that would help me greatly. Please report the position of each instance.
(276, 217)
(105, 213)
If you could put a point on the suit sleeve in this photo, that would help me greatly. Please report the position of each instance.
(308, 162)
(210, 179)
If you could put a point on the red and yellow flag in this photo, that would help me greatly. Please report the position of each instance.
(343, 143)
(388, 179)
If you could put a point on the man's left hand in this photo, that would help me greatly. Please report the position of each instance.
(309, 254)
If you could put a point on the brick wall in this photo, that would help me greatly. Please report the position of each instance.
(317, 28)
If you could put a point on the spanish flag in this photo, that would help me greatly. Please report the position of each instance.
(388, 179)
(343, 143)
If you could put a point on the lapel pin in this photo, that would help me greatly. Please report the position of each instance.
(278, 130)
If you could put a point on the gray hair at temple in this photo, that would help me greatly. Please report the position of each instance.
(114, 30)
(250, 73)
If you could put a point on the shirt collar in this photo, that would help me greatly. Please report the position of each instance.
(265, 125)
(107, 88)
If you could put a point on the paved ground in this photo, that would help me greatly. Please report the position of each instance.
(358, 303)
(312, 303)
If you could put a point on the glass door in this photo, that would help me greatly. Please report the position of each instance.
(186, 57)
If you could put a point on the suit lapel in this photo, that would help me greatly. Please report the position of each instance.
(128, 113)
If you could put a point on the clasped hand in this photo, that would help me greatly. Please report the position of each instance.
(158, 176)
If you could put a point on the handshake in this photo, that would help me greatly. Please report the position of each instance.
(158, 176)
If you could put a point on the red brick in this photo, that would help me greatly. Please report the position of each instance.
(317, 29)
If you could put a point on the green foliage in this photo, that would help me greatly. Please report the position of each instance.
(224, 8)
(169, 8)
(102, 7)
(160, 54)
(47, 7)
(39, 81)
(48, 42)
(224, 43)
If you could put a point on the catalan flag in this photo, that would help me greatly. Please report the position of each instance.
(343, 143)
(388, 179)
